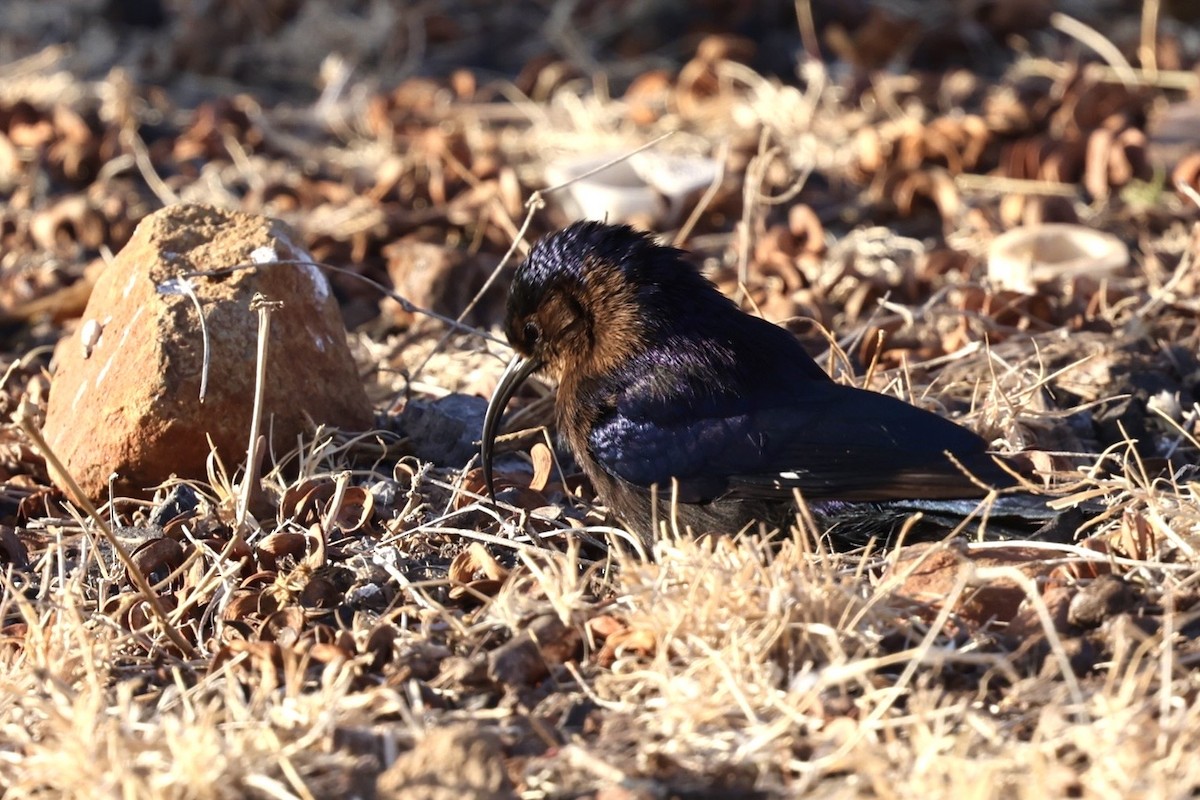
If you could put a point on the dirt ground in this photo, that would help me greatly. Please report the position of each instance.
(376, 628)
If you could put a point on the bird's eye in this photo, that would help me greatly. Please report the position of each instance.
(531, 333)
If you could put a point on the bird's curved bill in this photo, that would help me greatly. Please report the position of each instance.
(514, 375)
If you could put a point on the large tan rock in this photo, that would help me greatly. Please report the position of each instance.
(125, 396)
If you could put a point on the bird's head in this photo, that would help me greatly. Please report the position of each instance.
(585, 301)
(576, 303)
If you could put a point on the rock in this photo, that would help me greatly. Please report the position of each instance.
(526, 659)
(1027, 625)
(451, 763)
(933, 579)
(648, 186)
(446, 430)
(1100, 600)
(1173, 133)
(125, 398)
(439, 279)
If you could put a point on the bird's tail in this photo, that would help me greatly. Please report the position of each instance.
(1013, 516)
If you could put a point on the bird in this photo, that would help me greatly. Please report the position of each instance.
(683, 409)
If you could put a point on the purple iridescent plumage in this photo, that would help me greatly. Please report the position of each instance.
(725, 410)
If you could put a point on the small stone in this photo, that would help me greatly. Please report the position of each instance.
(526, 659)
(439, 279)
(1173, 134)
(181, 499)
(129, 404)
(451, 763)
(934, 578)
(1103, 598)
(445, 431)
(1028, 626)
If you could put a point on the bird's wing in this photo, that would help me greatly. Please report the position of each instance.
(829, 441)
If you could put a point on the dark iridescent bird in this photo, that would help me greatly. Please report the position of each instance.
(663, 381)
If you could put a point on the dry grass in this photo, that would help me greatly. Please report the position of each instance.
(725, 666)
(745, 665)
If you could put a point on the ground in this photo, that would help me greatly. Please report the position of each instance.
(376, 628)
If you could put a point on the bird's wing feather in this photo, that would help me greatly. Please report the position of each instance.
(827, 441)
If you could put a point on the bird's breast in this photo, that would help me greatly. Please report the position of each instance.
(581, 403)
